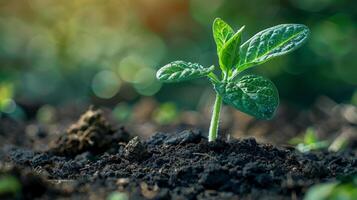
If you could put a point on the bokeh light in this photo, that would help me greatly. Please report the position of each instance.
(8, 106)
(46, 114)
(145, 82)
(122, 112)
(204, 10)
(166, 113)
(105, 84)
(129, 67)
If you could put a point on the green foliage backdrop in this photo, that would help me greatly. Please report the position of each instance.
(85, 50)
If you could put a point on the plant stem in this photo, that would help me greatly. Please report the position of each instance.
(213, 129)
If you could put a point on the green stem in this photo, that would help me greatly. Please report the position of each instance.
(213, 129)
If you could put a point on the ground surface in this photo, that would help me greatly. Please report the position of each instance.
(91, 160)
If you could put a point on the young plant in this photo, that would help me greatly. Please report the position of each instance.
(309, 142)
(345, 189)
(250, 94)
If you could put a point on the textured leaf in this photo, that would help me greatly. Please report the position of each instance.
(229, 55)
(270, 43)
(222, 32)
(251, 94)
(181, 71)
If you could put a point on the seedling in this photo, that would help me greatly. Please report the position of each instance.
(309, 142)
(342, 189)
(250, 94)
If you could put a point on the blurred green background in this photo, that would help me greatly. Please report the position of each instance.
(106, 52)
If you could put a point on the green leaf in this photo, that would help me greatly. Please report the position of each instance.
(229, 55)
(270, 43)
(222, 32)
(9, 185)
(251, 94)
(310, 136)
(182, 71)
(320, 191)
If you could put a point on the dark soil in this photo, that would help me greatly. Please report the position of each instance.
(91, 160)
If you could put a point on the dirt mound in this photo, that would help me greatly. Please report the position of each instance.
(90, 133)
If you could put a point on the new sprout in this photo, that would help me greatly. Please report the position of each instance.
(250, 94)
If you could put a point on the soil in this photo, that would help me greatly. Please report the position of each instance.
(92, 159)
